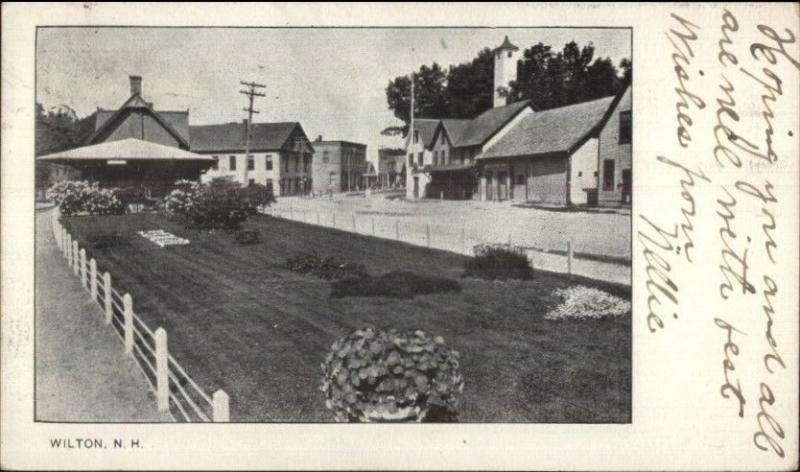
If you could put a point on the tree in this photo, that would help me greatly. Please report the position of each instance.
(547, 77)
(429, 96)
(469, 88)
(58, 129)
(551, 79)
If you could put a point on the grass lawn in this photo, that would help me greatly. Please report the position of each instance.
(238, 320)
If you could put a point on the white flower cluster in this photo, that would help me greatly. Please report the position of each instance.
(81, 196)
(180, 200)
(582, 302)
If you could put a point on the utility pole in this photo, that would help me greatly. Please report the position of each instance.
(251, 94)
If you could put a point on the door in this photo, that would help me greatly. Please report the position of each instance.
(502, 186)
(489, 186)
(626, 185)
(416, 187)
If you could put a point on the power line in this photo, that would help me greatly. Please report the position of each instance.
(251, 95)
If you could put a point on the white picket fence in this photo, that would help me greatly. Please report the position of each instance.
(169, 382)
(459, 240)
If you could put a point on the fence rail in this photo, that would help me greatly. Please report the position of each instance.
(167, 378)
(457, 239)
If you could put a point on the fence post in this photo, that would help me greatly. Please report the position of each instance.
(334, 218)
(463, 241)
(162, 370)
(127, 304)
(317, 218)
(428, 235)
(68, 250)
(221, 413)
(107, 294)
(373, 226)
(67, 245)
(93, 279)
(304, 216)
(354, 222)
(569, 257)
(84, 278)
(75, 257)
(397, 230)
(509, 240)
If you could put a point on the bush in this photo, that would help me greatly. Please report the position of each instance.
(324, 267)
(373, 375)
(397, 284)
(581, 302)
(222, 204)
(80, 196)
(247, 237)
(499, 262)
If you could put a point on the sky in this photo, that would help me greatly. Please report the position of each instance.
(332, 81)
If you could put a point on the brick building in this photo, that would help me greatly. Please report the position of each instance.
(338, 166)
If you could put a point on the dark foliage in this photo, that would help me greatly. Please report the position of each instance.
(498, 263)
(247, 237)
(396, 284)
(109, 239)
(324, 267)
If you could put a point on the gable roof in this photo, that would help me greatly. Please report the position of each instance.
(455, 128)
(557, 130)
(488, 123)
(137, 102)
(427, 130)
(232, 136)
(127, 149)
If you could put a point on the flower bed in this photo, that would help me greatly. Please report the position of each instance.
(581, 302)
(324, 267)
(499, 262)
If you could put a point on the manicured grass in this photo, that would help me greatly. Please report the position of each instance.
(238, 319)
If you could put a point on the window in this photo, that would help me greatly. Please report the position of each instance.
(251, 163)
(420, 158)
(509, 53)
(435, 157)
(442, 138)
(444, 157)
(269, 185)
(332, 178)
(326, 156)
(232, 162)
(306, 160)
(410, 159)
(251, 182)
(297, 164)
(286, 163)
(580, 174)
(608, 174)
(416, 136)
(215, 165)
(520, 179)
(268, 158)
(625, 127)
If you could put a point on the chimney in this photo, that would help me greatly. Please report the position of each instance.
(319, 138)
(136, 85)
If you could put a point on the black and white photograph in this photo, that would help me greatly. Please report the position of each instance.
(399, 236)
(383, 225)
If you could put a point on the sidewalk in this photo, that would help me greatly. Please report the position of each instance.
(82, 374)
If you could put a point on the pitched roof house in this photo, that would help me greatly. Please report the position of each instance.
(515, 152)
(136, 148)
(280, 154)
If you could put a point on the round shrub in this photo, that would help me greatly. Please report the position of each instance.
(372, 375)
(499, 262)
